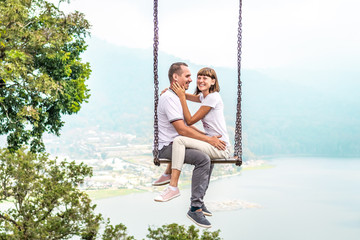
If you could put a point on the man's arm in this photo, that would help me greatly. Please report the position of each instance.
(196, 129)
(186, 131)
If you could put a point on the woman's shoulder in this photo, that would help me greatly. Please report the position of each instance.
(213, 99)
(214, 95)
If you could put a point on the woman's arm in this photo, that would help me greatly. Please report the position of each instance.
(192, 97)
(163, 91)
(190, 120)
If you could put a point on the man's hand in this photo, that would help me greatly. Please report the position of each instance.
(187, 131)
(216, 142)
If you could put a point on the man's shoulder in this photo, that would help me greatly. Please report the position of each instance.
(169, 96)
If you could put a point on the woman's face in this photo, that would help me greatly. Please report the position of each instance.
(204, 83)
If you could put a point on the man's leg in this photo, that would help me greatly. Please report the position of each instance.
(199, 185)
(200, 177)
(211, 169)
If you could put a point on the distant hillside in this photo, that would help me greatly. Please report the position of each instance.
(280, 116)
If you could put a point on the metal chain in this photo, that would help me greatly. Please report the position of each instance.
(238, 128)
(156, 85)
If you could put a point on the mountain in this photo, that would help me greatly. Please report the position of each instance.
(281, 114)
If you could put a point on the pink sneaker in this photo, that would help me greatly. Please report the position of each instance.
(167, 195)
(162, 180)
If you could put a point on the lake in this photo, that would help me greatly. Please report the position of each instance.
(299, 198)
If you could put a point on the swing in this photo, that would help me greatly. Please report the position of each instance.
(237, 159)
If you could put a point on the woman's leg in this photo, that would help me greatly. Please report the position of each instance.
(169, 192)
(178, 154)
(165, 177)
(181, 142)
(175, 175)
(177, 160)
(168, 169)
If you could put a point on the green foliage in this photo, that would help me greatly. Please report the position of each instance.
(179, 232)
(45, 196)
(46, 201)
(117, 232)
(40, 68)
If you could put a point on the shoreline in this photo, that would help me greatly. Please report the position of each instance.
(109, 193)
(99, 194)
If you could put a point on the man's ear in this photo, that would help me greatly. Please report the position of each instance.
(175, 76)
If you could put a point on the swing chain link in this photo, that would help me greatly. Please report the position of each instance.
(156, 86)
(238, 128)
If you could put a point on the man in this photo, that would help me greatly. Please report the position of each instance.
(171, 125)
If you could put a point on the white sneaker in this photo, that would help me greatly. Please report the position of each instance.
(167, 195)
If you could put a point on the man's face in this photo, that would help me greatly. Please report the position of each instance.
(185, 78)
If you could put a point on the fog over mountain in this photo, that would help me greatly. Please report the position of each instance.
(284, 111)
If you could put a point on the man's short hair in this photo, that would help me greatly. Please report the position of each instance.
(176, 68)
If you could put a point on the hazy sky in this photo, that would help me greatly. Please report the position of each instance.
(322, 34)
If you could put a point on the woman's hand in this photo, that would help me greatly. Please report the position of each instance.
(179, 90)
(162, 92)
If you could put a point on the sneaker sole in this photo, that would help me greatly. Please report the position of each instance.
(161, 183)
(207, 214)
(199, 224)
(158, 200)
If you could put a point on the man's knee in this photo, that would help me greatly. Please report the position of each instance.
(206, 158)
(166, 152)
(203, 160)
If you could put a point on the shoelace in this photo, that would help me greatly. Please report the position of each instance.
(165, 192)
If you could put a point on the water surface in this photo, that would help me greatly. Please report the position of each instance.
(300, 198)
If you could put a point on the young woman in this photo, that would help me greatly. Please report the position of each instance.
(211, 113)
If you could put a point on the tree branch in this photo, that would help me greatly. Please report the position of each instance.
(12, 221)
(48, 212)
(6, 112)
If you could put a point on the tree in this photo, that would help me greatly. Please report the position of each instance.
(40, 68)
(41, 79)
(179, 232)
(47, 203)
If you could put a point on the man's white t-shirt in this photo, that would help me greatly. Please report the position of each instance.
(169, 110)
(214, 122)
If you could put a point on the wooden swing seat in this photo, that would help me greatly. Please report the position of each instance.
(215, 161)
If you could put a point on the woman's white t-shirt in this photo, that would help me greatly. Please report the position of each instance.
(214, 122)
